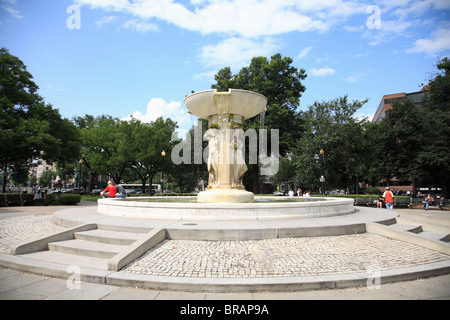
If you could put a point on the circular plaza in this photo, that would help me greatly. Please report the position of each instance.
(368, 247)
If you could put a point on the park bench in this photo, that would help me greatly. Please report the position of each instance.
(402, 202)
(364, 201)
(372, 202)
(438, 204)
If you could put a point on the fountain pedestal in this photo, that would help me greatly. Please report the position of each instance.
(226, 112)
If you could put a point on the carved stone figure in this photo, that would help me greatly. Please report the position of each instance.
(212, 136)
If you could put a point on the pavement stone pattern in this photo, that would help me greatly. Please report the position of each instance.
(21, 229)
(283, 257)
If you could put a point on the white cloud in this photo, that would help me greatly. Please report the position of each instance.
(207, 76)
(140, 26)
(439, 41)
(245, 18)
(105, 21)
(304, 52)
(8, 5)
(174, 110)
(236, 52)
(325, 71)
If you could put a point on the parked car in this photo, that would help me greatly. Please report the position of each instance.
(96, 192)
(79, 190)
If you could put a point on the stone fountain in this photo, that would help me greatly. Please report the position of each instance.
(225, 198)
(226, 112)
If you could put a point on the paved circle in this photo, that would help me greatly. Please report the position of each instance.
(21, 229)
(283, 257)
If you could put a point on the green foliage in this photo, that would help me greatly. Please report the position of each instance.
(54, 199)
(26, 199)
(29, 128)
(125, 148)
(280, 83)
(46, 178)
(346, 142)
(413, 141)
(16, 199)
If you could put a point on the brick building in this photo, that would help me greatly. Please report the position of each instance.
(388, 100)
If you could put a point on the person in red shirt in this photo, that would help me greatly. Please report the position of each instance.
(110, 191)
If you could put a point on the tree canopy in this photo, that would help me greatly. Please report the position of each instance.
(29, 128)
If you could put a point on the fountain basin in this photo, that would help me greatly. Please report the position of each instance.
(185, 208)
(248, 104)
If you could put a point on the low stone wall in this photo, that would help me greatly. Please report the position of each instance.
(269, 209)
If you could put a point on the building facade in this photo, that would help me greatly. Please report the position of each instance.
(388, 100)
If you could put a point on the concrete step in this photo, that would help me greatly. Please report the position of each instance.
(87, 248)
(441, 218)
(69, 259)
(414, 228)
(423, 230)
(107, 236)
(435, 236)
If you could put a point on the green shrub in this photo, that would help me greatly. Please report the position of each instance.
(16, 199)
(55, 199)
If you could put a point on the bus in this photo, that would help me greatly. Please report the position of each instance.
(137, 187)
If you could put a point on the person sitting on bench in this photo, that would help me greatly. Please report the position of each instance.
(428, 200)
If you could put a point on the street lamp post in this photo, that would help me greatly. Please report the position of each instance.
(163, 154)
(80, 181)
(322, 178)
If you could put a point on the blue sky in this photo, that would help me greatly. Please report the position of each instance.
(120, 57)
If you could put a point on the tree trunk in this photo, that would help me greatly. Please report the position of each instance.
(143, 180)
(4, 177)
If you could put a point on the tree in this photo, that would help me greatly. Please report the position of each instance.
(413, 142)
(286, 173)
(435, 118)
(29, 128)
(46, 178)
(280, 83)
(147, 141)
(400, 139)
(106, 147)
(188, 175)
(331, 126)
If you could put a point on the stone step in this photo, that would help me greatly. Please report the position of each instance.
(69, 259)
(87, 248)
(107, 236)
(435, 236)
(422, 231)
(414, 228)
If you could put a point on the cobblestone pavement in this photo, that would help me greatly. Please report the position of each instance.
(287, 257)
(308, 256)
(17, 230)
